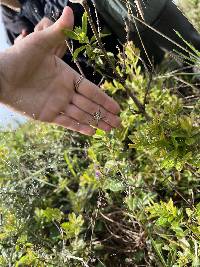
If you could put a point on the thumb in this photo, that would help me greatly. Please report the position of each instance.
(54, 35)
(24, 32)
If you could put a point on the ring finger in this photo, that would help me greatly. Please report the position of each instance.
(84, 117)
(90, 107)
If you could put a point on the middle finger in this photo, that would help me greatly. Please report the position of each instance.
(84, 117)
(90, 107)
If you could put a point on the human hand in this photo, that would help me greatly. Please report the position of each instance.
(43, 24)
(46, 23)
(40, 85)
(23, 34)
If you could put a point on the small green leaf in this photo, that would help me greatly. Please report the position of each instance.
(69, 164)
(84, 22)
(102, 35)
(70, 34)
(113, 185)
(158, 250)
(78, 51)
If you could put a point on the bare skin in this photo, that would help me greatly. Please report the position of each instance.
(23, 34)
(59, 51)
(43, 24)
(46, 23)
(40, 85)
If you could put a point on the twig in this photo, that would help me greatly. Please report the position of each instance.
(75, 61)
(139, 8)
(98, 37)
(192, 169)
(148, 88)
(139, 105)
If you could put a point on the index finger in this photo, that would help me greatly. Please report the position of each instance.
(95, 94)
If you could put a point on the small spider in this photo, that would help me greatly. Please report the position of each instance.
(97, 116)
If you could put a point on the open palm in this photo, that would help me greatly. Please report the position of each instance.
(41, 86)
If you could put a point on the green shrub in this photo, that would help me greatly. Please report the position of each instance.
(128, 198)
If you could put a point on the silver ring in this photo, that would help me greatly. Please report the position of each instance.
(78, 82)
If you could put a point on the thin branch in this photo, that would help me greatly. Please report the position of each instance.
(75, 61)
(148, 88)
(98, 37)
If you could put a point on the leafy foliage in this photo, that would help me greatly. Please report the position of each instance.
(128, 198)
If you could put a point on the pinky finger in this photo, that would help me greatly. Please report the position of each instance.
(74, 125)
